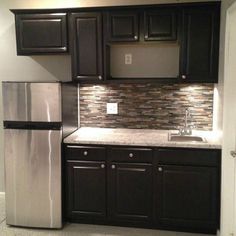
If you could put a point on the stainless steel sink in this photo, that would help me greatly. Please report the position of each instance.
(185, 138)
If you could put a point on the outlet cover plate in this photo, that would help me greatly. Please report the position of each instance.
(128, 59)
(112, 108)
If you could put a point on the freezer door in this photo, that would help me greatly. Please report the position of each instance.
(33, 178)
(31, 101)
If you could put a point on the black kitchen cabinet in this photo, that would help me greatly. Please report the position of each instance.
(130, 192)
(130, 184)
(41, 33)
(86, 46)
(122, 26)
(161, 188)
(99, 34)
(187, 192)
(160, 24)
(86, 189)
(85, 182)
(200, 43)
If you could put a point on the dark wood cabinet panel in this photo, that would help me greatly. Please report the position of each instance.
(86, 43)
(200, 43)
(186, 196)
(86, 190)
(130, 155)
(41, 33)
(85, 153)
(130, 192)
(160, 24)
(122, 26)
(187, 156)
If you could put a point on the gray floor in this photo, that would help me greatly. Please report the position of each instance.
(80, 229)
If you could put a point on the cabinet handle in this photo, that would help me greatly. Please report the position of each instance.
(102, 166)
(100, 77)
(146, 37)
(233, 153)
(135, 37)
(131, 155)
(113, 166)
(85, 153)
(184, 77)
(160, 169)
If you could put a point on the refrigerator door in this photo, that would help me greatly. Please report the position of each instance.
(32, 101)
(33, 178)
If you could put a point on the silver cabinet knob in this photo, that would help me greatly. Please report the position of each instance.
(233, 153)
(146, 37)
(131, 154)
(100, 77)
(135, 37)
(160, 169)
(85, 153)
(102, 166)
(113, 166)
(183, 76)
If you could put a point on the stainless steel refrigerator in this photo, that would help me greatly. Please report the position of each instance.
(36, 118)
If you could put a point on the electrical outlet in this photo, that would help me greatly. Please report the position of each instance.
(112, 108)
(128, 59)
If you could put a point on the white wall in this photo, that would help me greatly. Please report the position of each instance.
(40, 67)
(227, 60)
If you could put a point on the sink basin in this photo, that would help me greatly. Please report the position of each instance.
(185, 138)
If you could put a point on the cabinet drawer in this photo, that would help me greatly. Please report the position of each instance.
(130, 154)
(85, 153)
(194, 157)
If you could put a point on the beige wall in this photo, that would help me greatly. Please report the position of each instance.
(228, 163)
(85, 3)
(39, 67)
(224, 7)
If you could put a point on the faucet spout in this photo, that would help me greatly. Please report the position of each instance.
(186, 129)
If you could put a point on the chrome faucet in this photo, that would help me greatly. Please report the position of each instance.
(186, 129)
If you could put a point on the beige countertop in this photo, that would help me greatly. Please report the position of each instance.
(139, 137)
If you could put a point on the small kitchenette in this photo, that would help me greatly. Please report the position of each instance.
(138, 141)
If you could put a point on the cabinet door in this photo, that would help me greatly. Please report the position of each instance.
(122, 26)
(86, 41)
(160, 24)
(187, 197)
(86, 190)
(41, 33)
(130, 192)
(200, 44)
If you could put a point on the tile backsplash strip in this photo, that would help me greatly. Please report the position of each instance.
(149, 106)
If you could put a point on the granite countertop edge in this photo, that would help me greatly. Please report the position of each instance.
(139, 137)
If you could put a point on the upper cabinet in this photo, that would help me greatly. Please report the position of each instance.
(41, 33)
(86, 46)
(160, 24)
(154, 24)
(175, 43)
(200, 43)
(123, 26)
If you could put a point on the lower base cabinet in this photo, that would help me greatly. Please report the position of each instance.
(187, 189)
(187, 196)
(168, 188)
(130, 192)
(86, 189)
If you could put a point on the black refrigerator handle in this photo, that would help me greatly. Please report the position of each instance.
(32, 125)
